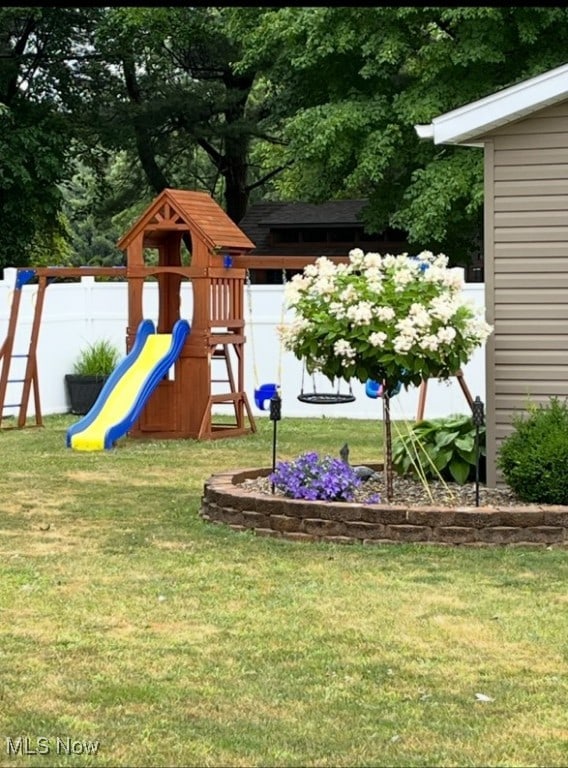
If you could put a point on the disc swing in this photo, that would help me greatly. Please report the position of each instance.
(263, 393)
(324, 398)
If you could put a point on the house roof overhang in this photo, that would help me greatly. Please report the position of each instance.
(470, 123)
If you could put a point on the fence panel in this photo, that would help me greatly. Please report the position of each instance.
(79, 313)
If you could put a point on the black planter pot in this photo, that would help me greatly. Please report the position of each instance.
(83, 391)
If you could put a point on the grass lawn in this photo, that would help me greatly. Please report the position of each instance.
(128, 621)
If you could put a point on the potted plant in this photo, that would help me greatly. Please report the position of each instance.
(91, 369)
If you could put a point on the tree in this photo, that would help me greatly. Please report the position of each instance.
(396, 320)
(92, 237)
(36, 64)
(164, 89)
(348, 84)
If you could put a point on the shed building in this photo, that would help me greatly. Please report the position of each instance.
(524, 132)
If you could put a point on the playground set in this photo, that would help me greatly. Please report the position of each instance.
(163, 388)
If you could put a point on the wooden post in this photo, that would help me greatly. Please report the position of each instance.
(31, 374)
(423, 390)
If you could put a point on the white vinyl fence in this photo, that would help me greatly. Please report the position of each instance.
(76, 314)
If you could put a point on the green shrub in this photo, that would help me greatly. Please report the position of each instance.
(440, 447)
(97, 359)
(534, 457)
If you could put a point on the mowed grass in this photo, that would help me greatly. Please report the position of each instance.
(125, 619)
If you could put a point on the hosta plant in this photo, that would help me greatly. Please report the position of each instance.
(436, 448)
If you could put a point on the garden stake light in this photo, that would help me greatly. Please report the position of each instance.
(275, 416)
(477, 417)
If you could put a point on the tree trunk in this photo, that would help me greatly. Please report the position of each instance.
(236, 192)
(144, 145)
(237, 141)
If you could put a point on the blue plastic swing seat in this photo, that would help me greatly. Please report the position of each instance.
(374, 389)
(263, 394)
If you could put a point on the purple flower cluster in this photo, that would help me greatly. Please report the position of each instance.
(316, 478)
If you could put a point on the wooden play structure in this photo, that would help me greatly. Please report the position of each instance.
(182, 236)
(183, 406)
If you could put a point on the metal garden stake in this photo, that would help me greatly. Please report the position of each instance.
(275, 416)
(478, 419)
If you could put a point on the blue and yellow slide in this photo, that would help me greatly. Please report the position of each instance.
(128, 387)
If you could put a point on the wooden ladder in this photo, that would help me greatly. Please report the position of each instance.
(238, 399)
(220, 350)
(30, 380)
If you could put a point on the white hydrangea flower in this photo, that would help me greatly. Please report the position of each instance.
(356, 256)
(478, 329)
(349, 294)
(454, 278)
(441, 260)
(343, 348)
(442, 309)
(324, 285)
(385, 313)
(325, 267)
(401, 278)
(407, 328)
(378, 338)
(420, 315)
(311, 270)
(403, 343)
(446, 334)
(430, 342)
(337, 309)
(372, 261)
(360, 314)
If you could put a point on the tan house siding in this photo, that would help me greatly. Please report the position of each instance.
(526, 254)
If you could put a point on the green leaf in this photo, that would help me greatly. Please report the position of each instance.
(441, 459)
(459, 470)
(468, 456)
(445, 438)
(466, 443)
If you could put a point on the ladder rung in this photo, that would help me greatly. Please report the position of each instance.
(16, 381)
(20, 355)
(12, 405)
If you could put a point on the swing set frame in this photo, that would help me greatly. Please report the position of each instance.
(181, 407)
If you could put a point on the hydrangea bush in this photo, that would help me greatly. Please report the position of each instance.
(392, 319)
(316, 478)
(388, 318)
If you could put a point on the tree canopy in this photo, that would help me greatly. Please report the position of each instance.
(353, 82)
(275, 103)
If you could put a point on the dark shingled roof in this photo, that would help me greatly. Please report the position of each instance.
(262, 217)
(335, 213)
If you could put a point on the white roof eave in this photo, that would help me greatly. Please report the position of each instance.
(479, 117)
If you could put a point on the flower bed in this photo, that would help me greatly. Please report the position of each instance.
(226, 501)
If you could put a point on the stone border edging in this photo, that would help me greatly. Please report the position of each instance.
(347, 523)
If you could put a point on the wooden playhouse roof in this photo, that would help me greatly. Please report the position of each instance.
(175, 209)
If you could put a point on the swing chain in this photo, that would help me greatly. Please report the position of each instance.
(250, 330)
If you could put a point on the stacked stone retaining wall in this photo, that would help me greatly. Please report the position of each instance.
(225, 501)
